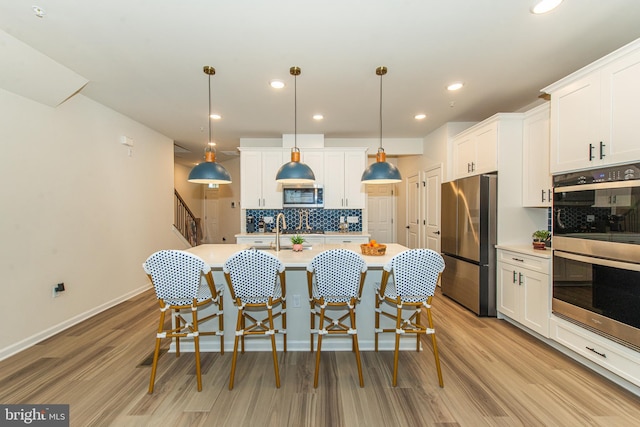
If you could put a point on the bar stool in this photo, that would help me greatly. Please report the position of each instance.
(176, 277)
(415, 274)
(256, 281)
(335, 279)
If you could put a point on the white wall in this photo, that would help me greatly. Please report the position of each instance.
(76, 208)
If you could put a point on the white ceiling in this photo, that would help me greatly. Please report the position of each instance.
(144, 59)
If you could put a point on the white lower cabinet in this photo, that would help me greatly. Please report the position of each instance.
(346, 239)
(612, 356)
(260, 239)
(524, 289)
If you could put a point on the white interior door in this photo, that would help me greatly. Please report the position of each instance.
(380, 210)
(431, 206)
(210, 228)
(413, 211)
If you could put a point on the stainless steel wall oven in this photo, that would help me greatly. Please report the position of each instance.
(596, 258)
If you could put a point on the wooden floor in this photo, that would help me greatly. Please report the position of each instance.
(494, 374)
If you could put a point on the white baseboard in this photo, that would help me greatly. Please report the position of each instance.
(41, 336)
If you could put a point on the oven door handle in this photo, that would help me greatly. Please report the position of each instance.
(598, 186)
(597, 261)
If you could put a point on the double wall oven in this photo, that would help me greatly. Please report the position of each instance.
(596, 257)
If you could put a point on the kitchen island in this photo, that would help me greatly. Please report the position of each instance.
(297, 300)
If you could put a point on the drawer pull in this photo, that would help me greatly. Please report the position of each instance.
(517, 259)
(596, 352)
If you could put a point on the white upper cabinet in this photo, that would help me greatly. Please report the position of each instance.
(593, 113)
(314, 158)
(342, 172)
(536, 178)
(475, 150)
(258, 186)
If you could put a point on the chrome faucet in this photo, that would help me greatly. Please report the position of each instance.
(284, 226)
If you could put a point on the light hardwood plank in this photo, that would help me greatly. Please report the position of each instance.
(494, 375)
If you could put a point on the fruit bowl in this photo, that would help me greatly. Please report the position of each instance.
(375, 250)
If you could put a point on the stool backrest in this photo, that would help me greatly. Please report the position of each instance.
(338, 272)
(416, 272)
(253, 273)
(175, 274)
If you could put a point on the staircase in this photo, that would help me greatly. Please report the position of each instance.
(185, 222)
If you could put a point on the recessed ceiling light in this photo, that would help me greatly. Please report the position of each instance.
(216, 116)
(318, 117)
(38, 11)
(276, 84)
(420, 116)
(544, 6)
(455, 86)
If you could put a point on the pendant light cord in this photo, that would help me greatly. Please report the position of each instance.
(209, 119)
(381, 110)
(295, 111)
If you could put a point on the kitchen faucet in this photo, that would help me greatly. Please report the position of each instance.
(284, 226)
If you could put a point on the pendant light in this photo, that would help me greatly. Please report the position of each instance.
(295, 172)
(209, 172)
(381, 172)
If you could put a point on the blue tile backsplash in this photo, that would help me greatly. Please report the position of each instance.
(324, 219)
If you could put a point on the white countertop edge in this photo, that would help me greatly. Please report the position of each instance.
(326, 233)
(527, 249)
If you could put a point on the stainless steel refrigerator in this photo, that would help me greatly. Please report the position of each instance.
(468, 242)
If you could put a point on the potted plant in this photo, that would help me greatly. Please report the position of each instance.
(297, 241)
(540, 238)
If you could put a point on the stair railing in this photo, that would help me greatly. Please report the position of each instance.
(184, 220)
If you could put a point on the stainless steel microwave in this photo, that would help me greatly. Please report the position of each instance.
(302, 196)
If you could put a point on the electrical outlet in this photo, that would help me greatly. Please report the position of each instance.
(296, 301)
(55, 292)
(352, 219)
(268, 220)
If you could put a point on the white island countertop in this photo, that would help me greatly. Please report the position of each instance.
(216, 254)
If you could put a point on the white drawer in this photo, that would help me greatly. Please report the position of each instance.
(258, 240)
(619, 359)
(521, 260)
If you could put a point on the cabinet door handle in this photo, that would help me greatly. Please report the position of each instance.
(517, 259)
(543, 195)
(514, 276)
(346, 202)
(591, 152)
(519, 279)
(549, 193)
(614, 199)
(468, 167)
(473, 166)
(602, 145)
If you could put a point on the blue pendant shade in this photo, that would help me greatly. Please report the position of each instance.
(381, 172)
(209, 172)
(295, 172)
